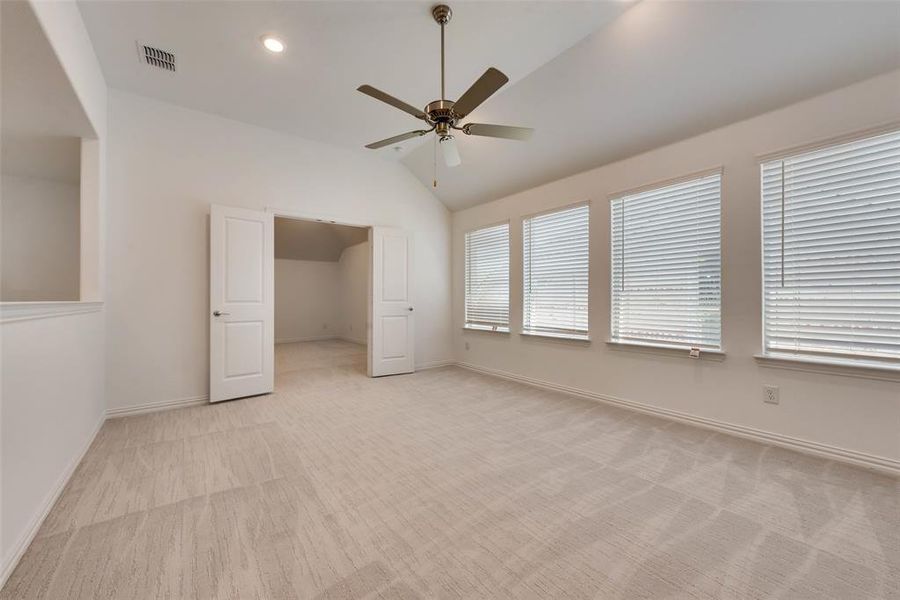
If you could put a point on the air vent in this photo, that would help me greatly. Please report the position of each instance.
(154, 57)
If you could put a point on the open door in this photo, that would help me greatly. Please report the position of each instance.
(241, 303)
(392, 333)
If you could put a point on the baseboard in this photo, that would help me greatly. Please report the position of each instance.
(435, 364)
(50, 499)
(361, 342)
(139, 409)
(314, 338)
(861, 459)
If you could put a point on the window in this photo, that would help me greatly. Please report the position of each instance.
(831, 251)
(487, 278)
(666, 265)
(556, 273)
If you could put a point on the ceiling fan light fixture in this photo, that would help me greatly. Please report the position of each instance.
(445, 115)
(451, 152)
(272, 44)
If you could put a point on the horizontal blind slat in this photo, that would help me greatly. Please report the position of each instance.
(831, 250)
(555, 265)
(666, 264)
(487, 277)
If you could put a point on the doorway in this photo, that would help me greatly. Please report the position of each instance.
(321, 298)
(242, 301)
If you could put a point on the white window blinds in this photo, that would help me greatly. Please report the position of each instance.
(556, 273)
(831, 251)
(487, 278)
(666, 265)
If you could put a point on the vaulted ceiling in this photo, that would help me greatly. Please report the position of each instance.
(41, 119)
(296, 239)
(599, 81)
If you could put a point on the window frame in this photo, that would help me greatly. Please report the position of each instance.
(565, 337)
(661, 346)
(487, 328)
(816, 362)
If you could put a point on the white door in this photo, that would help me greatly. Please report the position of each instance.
(241, 303)
(391, 335)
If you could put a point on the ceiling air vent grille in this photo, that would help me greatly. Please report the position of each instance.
(154, 57)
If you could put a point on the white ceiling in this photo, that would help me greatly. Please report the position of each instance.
(662, 72)
(643, 77)
(37, 97)
(42, 119)
(333, 47)
(296, 239)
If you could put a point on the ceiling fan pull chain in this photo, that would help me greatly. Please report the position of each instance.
(434, 164)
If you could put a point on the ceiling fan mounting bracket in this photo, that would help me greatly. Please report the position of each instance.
(441, 13)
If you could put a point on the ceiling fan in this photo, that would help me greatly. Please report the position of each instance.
(445, 116)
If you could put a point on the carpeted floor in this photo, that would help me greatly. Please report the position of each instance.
(451, 484)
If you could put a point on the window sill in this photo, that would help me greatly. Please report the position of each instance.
(666, 350)
(830, 366)
(557, 336)
(485, 329)
(26, 311)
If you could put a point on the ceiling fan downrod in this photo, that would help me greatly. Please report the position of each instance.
(442, 14)
(444, 116)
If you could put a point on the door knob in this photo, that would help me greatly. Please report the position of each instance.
(219, 313)
(410, 309)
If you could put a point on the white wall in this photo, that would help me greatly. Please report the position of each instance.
(166, 165)
(53, 368)
(52, 391)
(64, 28)
(307, 300)
(40, 239)
(323, 299)
(862, 415)
(354, 292)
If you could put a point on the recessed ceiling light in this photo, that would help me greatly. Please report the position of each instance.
(272, 44)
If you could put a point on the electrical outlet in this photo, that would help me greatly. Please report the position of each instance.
(467, 345)
(770, 394)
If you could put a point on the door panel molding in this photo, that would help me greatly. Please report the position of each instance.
(241, 303)
(391, 339)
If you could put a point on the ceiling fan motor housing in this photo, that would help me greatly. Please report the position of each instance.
(439, 112)
(444, 115)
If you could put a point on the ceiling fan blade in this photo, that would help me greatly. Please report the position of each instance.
(491, 81)
(451, 152)
(368, 90)
(397, 138)
(499, 131)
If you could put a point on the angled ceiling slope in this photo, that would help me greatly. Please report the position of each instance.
(637, 79)
(662, 72)
(41, 117)
(297, 239)
(331, 48)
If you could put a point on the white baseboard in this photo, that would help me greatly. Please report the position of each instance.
(21, 545)
(314, 338)
(435, 364)
(862, 459)
(139, 409)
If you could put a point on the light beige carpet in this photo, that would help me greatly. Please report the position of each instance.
(450, 484)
